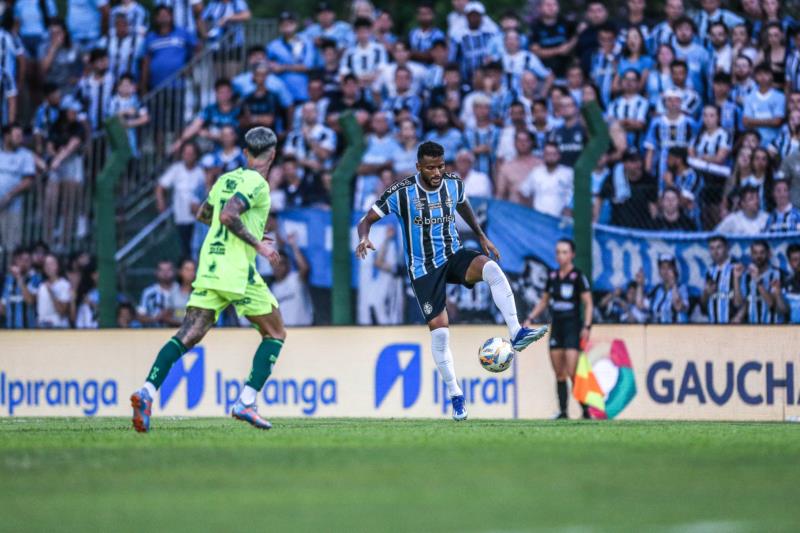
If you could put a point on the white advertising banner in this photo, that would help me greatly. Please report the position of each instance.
(687, 372)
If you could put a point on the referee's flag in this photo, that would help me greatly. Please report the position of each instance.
(604, 379)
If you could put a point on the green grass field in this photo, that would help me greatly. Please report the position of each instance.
(398, 475)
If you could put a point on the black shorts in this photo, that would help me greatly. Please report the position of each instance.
(430, 288)
(565, 333)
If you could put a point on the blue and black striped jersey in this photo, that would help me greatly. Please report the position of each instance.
(428, 219)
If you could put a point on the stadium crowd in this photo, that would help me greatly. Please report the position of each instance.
(703, 107)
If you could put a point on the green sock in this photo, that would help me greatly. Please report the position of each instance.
(263, 361)
(169, 354)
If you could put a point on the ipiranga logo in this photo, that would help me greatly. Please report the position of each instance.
(399, 362)
(192, 368)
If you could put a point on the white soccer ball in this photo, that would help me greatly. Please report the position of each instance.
(496, 354)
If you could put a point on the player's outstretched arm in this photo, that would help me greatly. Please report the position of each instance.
(465, 210)
(364, 226)
(205, 213)
(231, 218)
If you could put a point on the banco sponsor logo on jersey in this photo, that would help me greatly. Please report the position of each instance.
(429, 221)
(399, 362)
(719, 382)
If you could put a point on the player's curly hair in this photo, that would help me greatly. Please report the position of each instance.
(429, 149)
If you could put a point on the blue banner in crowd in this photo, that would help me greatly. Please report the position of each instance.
(522, 234)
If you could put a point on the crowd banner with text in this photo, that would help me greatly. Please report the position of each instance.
(689, 372)
(523, 235)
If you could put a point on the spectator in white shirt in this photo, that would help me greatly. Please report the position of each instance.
(749, 219)
(156, 308)
(54, 296)
(183, 177)
(366, 58)
(549, 187)
(476, 183)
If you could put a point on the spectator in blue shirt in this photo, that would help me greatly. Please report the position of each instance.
(327, 27)
(220, 16)
(167, 50)
(764, 109)
(185, 14)
(292, 56)
(87, 21)
(209, 122)
(244, 84)
(32, 17)
(471, 48)
(424, 34)
(696, 56)
(443, 133)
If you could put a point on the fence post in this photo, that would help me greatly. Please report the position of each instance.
(341, 214)
(105, 220)
(582, 208)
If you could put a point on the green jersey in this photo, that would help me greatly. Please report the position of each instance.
(227, 263)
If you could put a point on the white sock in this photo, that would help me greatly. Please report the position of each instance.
(502, 295)
(248, 395)
(150, 388)
(440, 345)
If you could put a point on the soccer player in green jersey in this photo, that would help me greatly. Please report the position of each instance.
(236, 209)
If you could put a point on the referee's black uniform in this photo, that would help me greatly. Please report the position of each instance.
(565, 298)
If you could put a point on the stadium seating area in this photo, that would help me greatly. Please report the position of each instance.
(703, 107)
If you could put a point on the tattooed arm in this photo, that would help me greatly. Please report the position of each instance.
(205, 213)
(231, 218)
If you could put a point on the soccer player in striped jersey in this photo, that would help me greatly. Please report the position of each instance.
(757, 288)
(785, 217)
(426, 205)
(366, 58)
(672, 129)
(630, 109)
(717, 295)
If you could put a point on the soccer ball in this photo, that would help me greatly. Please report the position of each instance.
(496, 354)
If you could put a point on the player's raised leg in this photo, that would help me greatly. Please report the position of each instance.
(273, 336)
(195, 325)
(440, 347)
(482, 268)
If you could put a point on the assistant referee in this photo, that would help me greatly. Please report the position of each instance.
(567, 288)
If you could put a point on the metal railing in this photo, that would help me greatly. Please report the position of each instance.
(59, 211)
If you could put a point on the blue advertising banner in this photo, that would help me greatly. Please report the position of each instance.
(523, 235)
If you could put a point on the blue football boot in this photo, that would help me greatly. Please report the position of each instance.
(527, 336)
(459, 408)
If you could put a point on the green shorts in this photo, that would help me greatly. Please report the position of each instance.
(257, 300)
